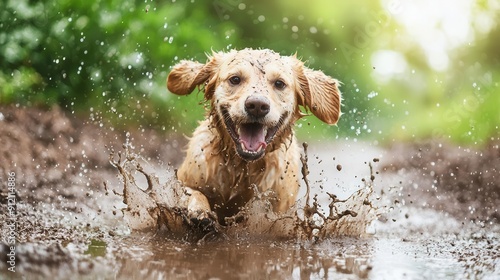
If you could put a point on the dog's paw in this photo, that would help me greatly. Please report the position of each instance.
(205, 224)
(199, 214)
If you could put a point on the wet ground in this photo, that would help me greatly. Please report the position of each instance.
(437, 206)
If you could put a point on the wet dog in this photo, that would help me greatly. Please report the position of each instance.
(246, 143)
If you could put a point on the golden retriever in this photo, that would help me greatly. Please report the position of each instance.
(246, 143)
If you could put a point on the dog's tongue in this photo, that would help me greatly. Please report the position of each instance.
(253, 136)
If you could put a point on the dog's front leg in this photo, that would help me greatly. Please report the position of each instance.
(198, 208)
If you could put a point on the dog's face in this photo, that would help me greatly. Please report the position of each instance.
(255, 95)
(255, 98)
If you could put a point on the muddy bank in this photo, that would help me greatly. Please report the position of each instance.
(441, 206)
(50, 148)
(461, 181)
(60, 164)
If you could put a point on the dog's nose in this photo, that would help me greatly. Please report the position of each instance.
(257, 106)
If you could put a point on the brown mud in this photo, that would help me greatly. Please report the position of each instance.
(160, 207)
(438, 207)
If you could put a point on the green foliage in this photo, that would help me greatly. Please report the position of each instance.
(97, 248)
(108, 56)
(110, 59)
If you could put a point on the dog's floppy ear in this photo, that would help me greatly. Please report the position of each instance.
(319, 93)
(187, 75)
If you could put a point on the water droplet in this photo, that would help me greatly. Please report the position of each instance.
(372, 94)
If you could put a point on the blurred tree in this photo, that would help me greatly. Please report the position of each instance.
(112, 57)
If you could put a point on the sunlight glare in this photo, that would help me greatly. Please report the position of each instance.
(439, 27)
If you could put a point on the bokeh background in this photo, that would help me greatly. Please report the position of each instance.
(411, 70)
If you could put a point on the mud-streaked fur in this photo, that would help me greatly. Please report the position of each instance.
(212, 165)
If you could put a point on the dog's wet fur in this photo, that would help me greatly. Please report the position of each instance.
(246, 143)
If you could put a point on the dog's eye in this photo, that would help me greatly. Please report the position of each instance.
(279, 84)
(235, 80)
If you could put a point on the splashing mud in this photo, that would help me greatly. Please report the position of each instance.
(441, 219)
(164, 207)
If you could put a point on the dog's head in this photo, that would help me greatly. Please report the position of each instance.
(255, 95)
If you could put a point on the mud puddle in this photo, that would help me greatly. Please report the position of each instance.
(318, 214)
(70, 226)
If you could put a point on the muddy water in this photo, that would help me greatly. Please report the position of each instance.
(93, 238)
(317, 215)
(247, 259)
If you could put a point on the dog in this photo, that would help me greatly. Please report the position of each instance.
(246, 144)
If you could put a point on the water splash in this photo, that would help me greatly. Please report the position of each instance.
(163, 207)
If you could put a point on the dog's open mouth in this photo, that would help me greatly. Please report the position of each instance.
(251, 138)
